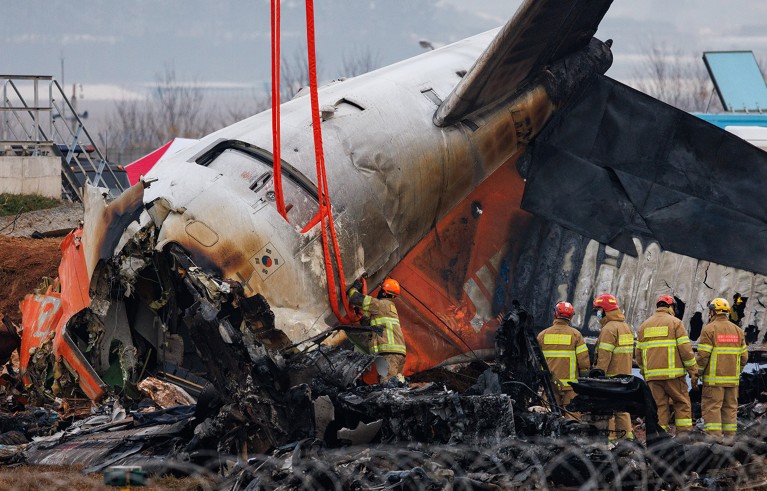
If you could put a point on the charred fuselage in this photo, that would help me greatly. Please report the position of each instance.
(200, 236)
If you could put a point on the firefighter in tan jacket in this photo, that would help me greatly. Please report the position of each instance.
(614, 351)
(380, 311)
(722, 354)
(664, 355)
(377, 311)
(565, 351)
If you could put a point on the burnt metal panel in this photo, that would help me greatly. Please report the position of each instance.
(540, 32)
(626, 165)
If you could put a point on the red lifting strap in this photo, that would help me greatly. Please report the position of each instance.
(280, 200)
(324, 215)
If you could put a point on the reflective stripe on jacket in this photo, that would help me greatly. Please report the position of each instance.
(381, 312)
(722, 352)
(663, 348)
(615, 345)
(565, 351)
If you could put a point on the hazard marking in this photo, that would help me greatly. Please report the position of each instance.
(266, 261)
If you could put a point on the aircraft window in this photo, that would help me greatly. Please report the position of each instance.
(257, 173)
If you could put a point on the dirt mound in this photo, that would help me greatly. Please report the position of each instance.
(23, 262)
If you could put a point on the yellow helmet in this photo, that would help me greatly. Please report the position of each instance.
(720, 306)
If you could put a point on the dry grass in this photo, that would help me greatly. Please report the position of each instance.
(51, 478)
(11, 204)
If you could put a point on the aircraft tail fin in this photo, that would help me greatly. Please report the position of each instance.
(541, 32)
(625, 165)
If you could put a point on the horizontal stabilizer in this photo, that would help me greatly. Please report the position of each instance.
(618, 163)
(541, 31)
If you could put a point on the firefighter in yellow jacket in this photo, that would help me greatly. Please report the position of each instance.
(380, 311)
(722, 354)
(665, 356)
(614, 351)
(565, 351)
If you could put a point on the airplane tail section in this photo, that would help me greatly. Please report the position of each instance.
(622, 164)
(541, 32)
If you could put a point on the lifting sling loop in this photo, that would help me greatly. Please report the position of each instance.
(279, 199)
(324, 216)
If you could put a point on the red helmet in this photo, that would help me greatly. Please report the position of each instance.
(391, 287)
(667, 299)
(606, 301)
(564, 310)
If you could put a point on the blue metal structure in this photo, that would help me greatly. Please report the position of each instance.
(723, 120)
(737, 80)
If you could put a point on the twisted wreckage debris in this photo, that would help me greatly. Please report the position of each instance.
(194, 376)
(298, 419)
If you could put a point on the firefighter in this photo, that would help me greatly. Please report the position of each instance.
(380, 311)
(664, 355)
(738, 308)
(614, 353)
(565, 351)
(722, 354)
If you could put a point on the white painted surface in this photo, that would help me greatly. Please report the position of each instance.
(31, 175)
(755, 135)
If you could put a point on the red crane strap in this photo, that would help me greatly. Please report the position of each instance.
(324, 215)
(280, 200)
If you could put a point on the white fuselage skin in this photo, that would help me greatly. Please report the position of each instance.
(392, 174)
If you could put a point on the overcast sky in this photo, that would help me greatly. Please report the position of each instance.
(104, 43)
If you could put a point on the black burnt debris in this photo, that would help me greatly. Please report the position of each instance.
(273, 415)
(190, 375)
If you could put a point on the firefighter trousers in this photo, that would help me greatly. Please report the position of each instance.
(564, 396)
(563, 399)
(396, 365)
(719, 406)
(674, 391)
(620, 427)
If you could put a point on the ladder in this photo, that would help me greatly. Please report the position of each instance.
(50, 124)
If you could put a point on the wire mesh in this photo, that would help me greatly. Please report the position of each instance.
(532, 463)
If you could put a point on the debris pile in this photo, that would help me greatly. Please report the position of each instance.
(301, 420)
(160, 363)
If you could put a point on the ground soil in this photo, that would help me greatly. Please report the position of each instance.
(25, 261)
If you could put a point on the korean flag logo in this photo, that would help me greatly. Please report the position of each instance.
(266, 261)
